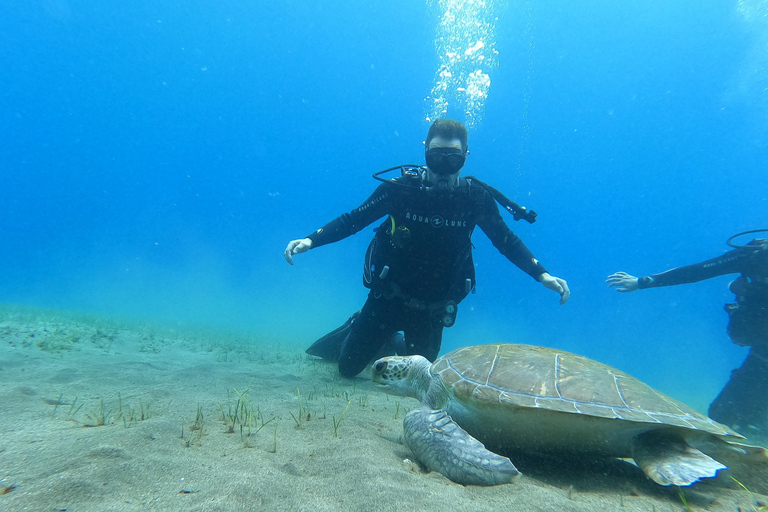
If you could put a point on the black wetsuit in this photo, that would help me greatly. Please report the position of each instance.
(742, 403)
(428, 262)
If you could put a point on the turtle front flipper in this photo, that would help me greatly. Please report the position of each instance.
(442, 445)
(670, 460)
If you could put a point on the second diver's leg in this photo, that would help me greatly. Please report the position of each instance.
(742, 404)
(372, 329)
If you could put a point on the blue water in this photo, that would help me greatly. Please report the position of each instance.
(156, 158)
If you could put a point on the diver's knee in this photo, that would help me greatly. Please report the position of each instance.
(349, 369)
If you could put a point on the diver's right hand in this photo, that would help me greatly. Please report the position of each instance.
(296, 247)
(623, 282)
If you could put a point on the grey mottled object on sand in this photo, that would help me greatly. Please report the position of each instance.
(526, 398)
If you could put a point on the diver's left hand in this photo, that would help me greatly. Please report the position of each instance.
(556, 284)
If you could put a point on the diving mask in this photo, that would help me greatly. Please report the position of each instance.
(445, 161)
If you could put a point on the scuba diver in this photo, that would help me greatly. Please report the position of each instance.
(419, 264)
(742, 403)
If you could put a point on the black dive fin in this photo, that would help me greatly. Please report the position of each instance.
(329, 346)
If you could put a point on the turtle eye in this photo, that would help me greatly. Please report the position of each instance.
(380, 366)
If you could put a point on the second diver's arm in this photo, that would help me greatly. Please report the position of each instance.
(731, 262)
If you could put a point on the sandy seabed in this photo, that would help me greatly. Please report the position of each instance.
(97, 415)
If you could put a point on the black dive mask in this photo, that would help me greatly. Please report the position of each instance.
(445, 161)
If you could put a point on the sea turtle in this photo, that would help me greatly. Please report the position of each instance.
(536, 399)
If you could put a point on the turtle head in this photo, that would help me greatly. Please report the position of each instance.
(402, 375)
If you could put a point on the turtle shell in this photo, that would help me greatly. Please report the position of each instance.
(527, 376)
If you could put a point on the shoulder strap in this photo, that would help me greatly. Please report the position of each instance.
(517, 211)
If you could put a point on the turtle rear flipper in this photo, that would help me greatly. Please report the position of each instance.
(669, 460)
(729, 450)
(442, 445)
